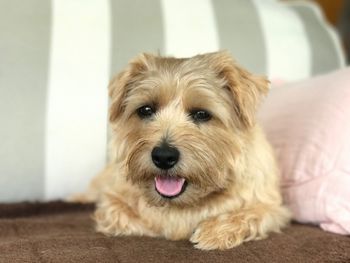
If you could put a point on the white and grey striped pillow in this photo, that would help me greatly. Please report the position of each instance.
(56, 59)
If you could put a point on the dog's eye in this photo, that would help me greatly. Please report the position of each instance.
(200, 115)
(145, 111)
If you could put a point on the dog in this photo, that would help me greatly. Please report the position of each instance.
(188, 159)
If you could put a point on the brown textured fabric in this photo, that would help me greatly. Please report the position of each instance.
(62, 232)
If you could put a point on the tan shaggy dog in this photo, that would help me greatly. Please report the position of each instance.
(189, 160)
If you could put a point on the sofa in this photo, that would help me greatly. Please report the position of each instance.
(56, 61)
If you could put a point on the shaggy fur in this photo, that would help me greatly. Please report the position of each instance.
(232, 193)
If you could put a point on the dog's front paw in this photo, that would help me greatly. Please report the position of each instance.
(221, 232)
(230, 230)
(114, 218)
(112, 222)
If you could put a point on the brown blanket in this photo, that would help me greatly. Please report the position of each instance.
(62, 232)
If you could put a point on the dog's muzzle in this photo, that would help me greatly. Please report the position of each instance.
(166, 157)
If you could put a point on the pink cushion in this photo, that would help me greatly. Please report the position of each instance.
(308, 123)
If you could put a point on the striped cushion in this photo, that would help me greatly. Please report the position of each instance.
(57, 58)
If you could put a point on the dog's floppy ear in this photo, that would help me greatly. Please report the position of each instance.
(247, 90)
(121, 83)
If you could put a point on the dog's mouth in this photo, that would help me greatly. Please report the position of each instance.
(170, 186)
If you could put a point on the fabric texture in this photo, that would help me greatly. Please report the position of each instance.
(58, 56)
(308, 124)
(61, 232)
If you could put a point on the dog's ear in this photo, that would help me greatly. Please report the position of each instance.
(122, 83)
(247, 90)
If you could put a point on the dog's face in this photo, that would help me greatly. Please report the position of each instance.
(180, 125)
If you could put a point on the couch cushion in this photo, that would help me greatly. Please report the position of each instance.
(308, 124)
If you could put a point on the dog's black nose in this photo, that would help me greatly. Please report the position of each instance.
(165, 156)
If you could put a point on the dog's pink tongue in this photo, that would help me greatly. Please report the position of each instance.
(169, 186)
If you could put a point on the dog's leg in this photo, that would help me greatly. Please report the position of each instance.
(114, 217)
(231, 229)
